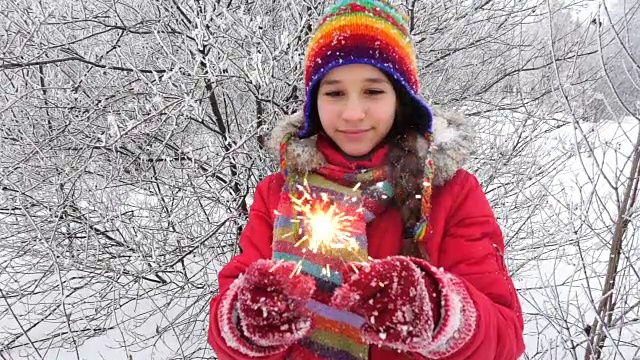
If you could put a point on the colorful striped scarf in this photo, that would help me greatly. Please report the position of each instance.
(362, 194)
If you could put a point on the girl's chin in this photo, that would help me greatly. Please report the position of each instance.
(356, 151)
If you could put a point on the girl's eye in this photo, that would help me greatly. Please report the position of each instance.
(374, 92)
(335, 93)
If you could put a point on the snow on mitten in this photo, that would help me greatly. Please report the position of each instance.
(270, 304)
(393, 295)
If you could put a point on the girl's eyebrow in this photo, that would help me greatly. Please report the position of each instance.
(330, 82)
(377, 80)
(373, 80)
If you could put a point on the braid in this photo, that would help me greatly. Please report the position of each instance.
(407, 169)
(407, 173)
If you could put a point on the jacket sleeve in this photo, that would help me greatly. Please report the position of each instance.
(255, 243)
(480, 315)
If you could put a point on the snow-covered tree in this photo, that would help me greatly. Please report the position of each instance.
(132, 135)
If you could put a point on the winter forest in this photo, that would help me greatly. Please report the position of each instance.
(132, 136)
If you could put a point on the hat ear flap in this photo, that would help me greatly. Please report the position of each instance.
(312, 125)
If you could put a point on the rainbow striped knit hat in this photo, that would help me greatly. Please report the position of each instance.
(369, 32)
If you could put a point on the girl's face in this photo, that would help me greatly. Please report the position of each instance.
(357, 106)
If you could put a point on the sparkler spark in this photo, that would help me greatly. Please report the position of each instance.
(325, 225)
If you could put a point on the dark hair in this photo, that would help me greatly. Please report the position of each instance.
(407, 167)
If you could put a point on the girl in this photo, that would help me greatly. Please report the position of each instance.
(424, 276)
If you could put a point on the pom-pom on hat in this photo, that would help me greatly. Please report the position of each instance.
(369, 32)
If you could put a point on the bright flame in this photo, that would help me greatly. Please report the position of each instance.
(326, 226)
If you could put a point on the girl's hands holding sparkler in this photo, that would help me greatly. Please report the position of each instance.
(397, 299)
(271, 303)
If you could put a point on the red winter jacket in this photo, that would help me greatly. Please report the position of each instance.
(465, 241)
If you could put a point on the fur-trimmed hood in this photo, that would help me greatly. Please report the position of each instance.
(452, 137)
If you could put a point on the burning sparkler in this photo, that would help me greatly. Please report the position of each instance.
(324, 225)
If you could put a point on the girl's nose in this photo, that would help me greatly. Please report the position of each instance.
(354, 110)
